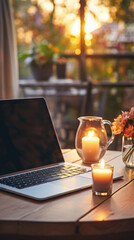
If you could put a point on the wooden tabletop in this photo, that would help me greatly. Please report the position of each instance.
(79, 215)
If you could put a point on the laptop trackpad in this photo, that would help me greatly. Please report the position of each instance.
(74, 182)
(58, 187)
(70, 184)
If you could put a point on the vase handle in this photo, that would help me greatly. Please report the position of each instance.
(112, 135)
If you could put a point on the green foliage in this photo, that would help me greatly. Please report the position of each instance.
(30, 18)
(41, 53)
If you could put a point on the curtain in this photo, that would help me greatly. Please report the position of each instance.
(8, 53)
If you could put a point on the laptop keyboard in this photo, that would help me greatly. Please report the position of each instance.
(45, 175)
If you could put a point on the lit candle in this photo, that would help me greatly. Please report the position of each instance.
(90, 147)
(102, 178)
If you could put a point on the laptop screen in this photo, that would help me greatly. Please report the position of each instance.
(27, 136)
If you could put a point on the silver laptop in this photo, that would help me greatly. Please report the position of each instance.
(31, 161)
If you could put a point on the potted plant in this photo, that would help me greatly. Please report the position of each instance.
(40, 58)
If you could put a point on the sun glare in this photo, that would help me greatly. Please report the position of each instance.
(67, 15)
(76, 27)
(77, 51)
(88, 36)
(46, 5)
(104, 14)
(90, 26)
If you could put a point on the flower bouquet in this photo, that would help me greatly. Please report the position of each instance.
(124, 125)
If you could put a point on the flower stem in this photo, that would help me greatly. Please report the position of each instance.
(128, 154)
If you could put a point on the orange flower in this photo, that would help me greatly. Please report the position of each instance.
(124, 124)
(129, 131)
(56, 49)
(118, 125)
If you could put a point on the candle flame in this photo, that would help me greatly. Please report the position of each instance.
(102, 163)
(90, 133)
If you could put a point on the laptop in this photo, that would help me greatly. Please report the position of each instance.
(30, 153)
(31, 160)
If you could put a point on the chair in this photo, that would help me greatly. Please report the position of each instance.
(67, 100)
(78, 103)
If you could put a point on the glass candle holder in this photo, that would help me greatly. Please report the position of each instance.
(102, 176)
(91, 140)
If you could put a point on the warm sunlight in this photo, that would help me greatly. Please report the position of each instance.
(71, 21)
(76, 27)
(66, 13)
(77, 51)
(45, 5)
(90, 26)
(104, 14)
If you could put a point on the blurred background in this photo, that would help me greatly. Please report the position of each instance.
(95, 38)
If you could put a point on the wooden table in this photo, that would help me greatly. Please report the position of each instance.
(74, 216)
